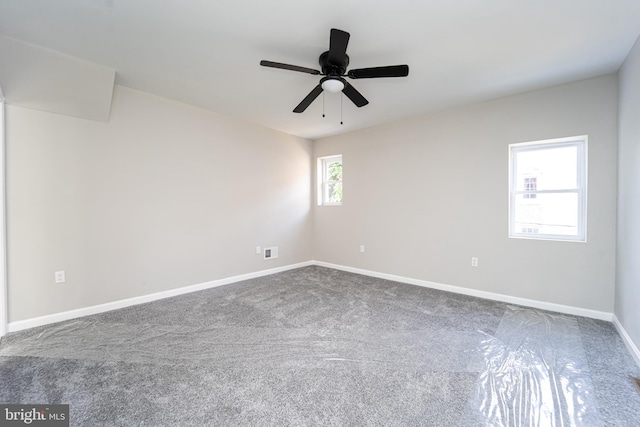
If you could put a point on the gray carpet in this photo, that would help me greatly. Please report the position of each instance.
(316, 346)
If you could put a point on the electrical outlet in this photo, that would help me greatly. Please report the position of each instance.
(474, 262)
(362, 248)
(59, 276)
(258, 250)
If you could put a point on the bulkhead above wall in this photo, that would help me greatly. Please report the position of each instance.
(42, 79)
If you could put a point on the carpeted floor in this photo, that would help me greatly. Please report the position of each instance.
(316, 346)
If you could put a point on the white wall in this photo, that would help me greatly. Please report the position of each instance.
(161, 196)
(628, 253)
(43, 79)
(427, 194)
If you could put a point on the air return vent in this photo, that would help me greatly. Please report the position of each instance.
(271, 253)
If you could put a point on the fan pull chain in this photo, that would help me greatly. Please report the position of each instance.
(323, 104)
(341, 98)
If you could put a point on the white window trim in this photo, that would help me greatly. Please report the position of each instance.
(321, 179)
(581, 142)
(3, 234)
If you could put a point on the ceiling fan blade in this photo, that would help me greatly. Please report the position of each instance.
(338, 46)
(355, 96)
(308, 99)
(288, 67)
(371, 73)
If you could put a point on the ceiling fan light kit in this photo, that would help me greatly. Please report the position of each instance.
(332, 85)
(334, 63)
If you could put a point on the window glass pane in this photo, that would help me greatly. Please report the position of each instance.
(334, 192)
(550, 168)
(334, 171)
(332, 180)
(555, 213)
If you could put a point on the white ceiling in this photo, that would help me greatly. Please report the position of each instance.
(207, 52)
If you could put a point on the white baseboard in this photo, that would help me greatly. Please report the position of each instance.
(101, 308)
(559, 308)
(633, 349)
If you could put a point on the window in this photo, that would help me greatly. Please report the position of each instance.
(330, 180)
(548, 189)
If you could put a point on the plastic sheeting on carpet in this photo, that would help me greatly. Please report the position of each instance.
(536, 374)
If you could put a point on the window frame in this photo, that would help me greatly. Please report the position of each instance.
(3, 226)
(323, 181)
(581, 144)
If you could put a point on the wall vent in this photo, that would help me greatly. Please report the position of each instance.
(271, 253)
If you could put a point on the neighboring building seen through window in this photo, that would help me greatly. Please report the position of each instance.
(548, 189)
(530, 184)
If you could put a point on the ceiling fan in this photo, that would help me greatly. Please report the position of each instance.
(334, 64)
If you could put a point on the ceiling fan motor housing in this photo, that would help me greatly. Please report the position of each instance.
(330, 69)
